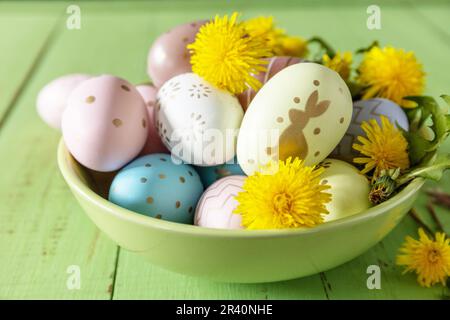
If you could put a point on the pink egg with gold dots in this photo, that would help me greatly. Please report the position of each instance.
(105, 123)
(153, 143)
(169, 56)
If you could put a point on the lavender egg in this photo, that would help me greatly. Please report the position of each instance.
(275, 65)
(168, 56)
(365, 110)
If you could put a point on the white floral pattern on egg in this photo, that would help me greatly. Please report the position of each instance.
(193, 119)
(303, 111)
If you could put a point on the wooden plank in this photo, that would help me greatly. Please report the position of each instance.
(43, 231)
(20, 49)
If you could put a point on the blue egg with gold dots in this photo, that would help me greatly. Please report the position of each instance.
(158, 187)
(211, 174)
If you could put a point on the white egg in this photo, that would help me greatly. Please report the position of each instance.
(349, 189)
(215, 207)
(303, 111)
(52, 99)
(197, 121)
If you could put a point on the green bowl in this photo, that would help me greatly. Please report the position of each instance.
(234, 255)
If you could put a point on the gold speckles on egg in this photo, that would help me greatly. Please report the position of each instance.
(162, 176)
(316, 131)
(316, 82)
(280, 119)
(90, 99)
(158, 216)
(117, 122)
(316, 154)
(182, 179)
(341, 120)
(296, 100)
(177, 204)
(149, 200)
(124, 87)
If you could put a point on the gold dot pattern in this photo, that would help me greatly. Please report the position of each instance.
(182, 180)
(90, 99)
(150, 200)
(317, 153)
(117, 122)
(316, 130)
(341, 120)
(296, 99)
(280, 119)
(161, 176)
(177, 204)
(316, 82)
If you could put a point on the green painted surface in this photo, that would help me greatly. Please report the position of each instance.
(43, 230)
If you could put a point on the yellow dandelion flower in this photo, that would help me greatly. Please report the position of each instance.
(224, 54)
(428, 258)
(384, 147)
(341, 63)
(283, 195)
(278, 41)
(391, 73)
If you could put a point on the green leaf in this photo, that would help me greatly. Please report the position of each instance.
(433, 171)
(419, 144)
(363, 50)
(323, 45)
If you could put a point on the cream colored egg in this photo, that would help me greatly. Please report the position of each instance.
(303, 111)
(196, 121)
(349, 189)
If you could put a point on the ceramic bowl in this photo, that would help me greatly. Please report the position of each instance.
(242, 256)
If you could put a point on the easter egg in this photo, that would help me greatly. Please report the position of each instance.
(196, 121)
(274, 65)
(155, 186)
(349, 189)
(153, 143)
(215, 207)
(52, 99)
(213, 173)
(105, 123)
(168, 56)
(303, 111)
(366, 110)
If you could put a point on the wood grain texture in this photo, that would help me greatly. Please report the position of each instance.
(43, 230)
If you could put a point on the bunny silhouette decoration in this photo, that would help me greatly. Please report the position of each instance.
(292, 141)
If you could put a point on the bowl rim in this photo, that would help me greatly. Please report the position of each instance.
(75, 183)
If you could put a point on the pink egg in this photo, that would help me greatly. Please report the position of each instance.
(275, 65)
(215, 207)
(168, 56)
(52, 99)
(153, 144)
(105, 123)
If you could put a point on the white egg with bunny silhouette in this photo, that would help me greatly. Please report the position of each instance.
(303, 111)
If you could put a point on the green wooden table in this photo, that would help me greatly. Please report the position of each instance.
(43, 231)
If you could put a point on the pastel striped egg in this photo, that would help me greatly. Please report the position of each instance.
(215, 207)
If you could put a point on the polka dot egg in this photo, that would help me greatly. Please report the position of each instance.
(157, 186)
